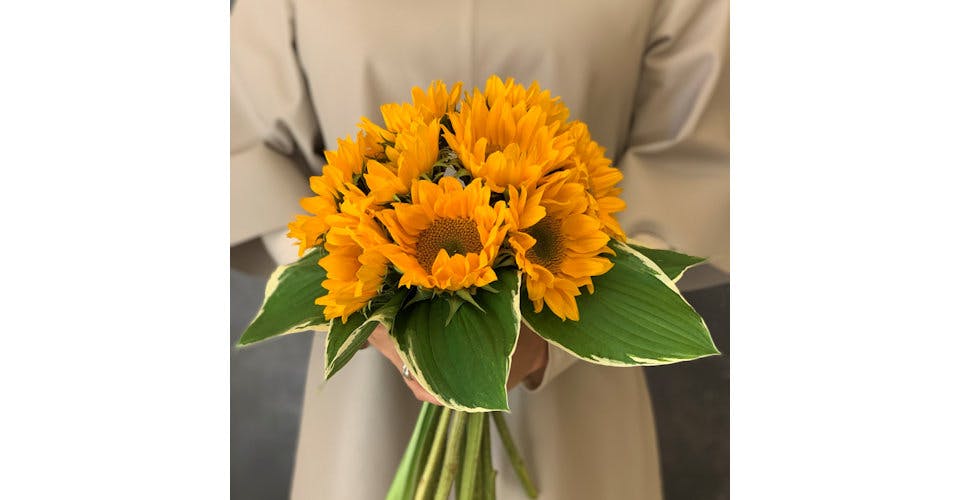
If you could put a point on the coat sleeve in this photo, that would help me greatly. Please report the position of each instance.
(676, 163)
(272, 121)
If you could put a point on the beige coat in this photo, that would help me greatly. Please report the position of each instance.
(650, 78)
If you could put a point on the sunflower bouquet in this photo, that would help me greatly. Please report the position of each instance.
(451, 223)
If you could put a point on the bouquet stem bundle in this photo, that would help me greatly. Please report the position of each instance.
(450, 447)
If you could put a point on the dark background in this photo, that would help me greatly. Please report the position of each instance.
(691, 400)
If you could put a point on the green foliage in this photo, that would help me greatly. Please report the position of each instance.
(672, 263)
(635, 317)
(463, 362)
(290, 301)
(345, 339)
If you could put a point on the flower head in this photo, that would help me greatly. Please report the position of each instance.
(354, 264)
(600, 179)
(448, 237)
(413, 153)
(334, 183)
(509, 136)
(557, 243)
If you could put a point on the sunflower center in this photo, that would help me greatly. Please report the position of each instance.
(456, 236)
(548, 251)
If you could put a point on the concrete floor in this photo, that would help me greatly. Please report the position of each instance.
(692, 406)
(691, 401)
(266, 392)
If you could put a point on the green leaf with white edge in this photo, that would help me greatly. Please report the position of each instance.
(636, 316)
(464, 364)
(345, 339)
(673, 264)
(289, 303)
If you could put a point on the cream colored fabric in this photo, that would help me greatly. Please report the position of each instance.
(649, 78)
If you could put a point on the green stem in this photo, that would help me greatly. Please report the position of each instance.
(487, 474)
(451, 457)
(435, 451)
(515, 458)
(471, 455)
(458, 479)
(414, 458)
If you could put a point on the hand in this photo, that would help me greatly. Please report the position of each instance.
(380, 339)
(529, 360)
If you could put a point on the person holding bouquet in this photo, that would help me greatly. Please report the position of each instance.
(650, 79)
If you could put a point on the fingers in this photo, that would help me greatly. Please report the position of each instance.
(419, 392)
(529, 359)
(382, 342)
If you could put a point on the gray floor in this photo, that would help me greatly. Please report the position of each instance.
(692, 406)
(266, 389)
(691, 401)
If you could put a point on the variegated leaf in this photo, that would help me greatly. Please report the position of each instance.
(673, 264)
(289, 303)
(345, 339)
(636, 316)
(464, 363)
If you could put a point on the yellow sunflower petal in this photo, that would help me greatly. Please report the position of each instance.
(383, 183)
(436, 101)
(560, 299)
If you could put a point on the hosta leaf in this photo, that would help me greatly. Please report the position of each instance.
(465, 363)
(345, 339)
(289, 301)
(635, 317)
(672, 263)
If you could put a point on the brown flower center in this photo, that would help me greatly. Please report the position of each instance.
(456, 236)
(548, 251)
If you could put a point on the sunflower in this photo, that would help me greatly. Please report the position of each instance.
(507, 137)
(432, 104)
(557, 243)
(413, 153)
(355, 266)
(448, 237)
(378, 142)
(334, 183)
(600, 179)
